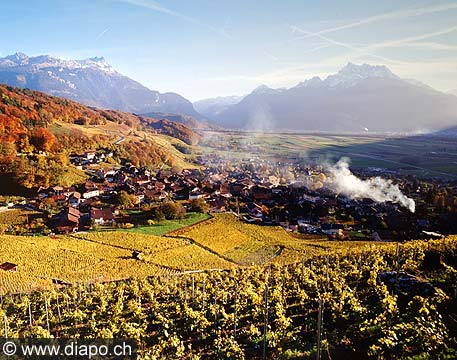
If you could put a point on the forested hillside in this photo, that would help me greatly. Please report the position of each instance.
(38, 132)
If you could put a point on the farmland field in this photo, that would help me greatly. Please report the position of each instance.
(96, 257)
(229, 314)
(419, 155)
(17, 216)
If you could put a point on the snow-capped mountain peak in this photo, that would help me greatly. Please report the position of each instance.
(314, 81)
(352, 73)
(91, 81)
(96, 62)
(45, 61)
(264, 89)
(18, 57)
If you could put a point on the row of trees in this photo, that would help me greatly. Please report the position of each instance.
(168, 210)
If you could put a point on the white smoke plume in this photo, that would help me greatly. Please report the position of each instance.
(380, 190)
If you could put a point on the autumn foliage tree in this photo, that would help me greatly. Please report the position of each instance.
(42, 139)
(172, 210)
(32, 122)
(199, 205)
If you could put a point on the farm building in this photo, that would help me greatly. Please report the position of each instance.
(101, 216)
(8, 267)
(332, 229)
(67, 220)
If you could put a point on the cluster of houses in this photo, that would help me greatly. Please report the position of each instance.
(90, 158)
(265, 192)
(256, 190)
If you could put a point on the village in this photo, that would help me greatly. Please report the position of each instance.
(258, 190)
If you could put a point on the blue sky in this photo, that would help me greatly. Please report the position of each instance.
(207, 48)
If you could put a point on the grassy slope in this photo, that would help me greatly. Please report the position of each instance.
(169, 225)
(117, 131)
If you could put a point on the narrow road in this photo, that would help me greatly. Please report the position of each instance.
(118, 141)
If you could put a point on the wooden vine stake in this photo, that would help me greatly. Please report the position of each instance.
(319, 329)
(215, 305)
(47, 314)
(235, 315)
(326, 270)
(265, 323)
(30, 315)
(185, 290)
(5, 321)
(204, 295)
(397, 266)
(58, 308)
(193, 289)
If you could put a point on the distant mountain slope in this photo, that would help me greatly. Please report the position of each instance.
(358, 98)
(38, 132)
(178, 118)
(91, 81)
(214, 106)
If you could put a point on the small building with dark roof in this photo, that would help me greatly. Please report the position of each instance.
(7, 266)
(101, 216)
(67, 220)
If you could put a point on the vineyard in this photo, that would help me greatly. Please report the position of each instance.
(248, 244)
(222, 242)
(395, 301)
(96, 257)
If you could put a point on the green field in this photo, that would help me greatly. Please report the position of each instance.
(418, 155)
(168, 225)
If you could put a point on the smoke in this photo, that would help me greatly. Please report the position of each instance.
(380, 190)
(260, 119)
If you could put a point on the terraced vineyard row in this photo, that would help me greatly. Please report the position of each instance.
(72, 259)
(396, 301)
(222, 242)
(249, 244)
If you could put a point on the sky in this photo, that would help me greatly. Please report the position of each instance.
(207, 48)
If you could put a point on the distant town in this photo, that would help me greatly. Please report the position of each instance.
(257, 190)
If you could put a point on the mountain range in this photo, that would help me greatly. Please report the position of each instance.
(359, 98)
(92, 82)
(212, 107)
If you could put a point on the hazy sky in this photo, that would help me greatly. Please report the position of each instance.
(206, 48)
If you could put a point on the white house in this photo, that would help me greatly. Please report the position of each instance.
(91, 193)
